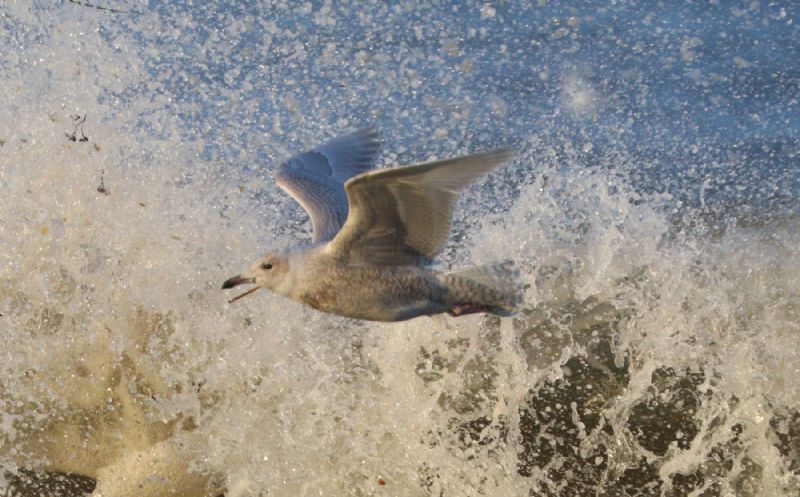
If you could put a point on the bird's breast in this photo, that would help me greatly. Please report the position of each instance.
(369, 291)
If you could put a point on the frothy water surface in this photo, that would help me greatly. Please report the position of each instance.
(652, 210)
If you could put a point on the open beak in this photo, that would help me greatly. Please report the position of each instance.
(236, 280)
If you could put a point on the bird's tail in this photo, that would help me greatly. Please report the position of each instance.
(492, 288)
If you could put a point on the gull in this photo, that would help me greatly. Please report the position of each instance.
(375, 234)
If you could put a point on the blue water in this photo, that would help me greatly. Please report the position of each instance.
(691, 92)
(653, 211)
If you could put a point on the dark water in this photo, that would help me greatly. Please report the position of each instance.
(653, 210)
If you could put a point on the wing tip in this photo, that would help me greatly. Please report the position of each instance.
(501, 155)
(369, 130)
(366, 141)
(371, 135)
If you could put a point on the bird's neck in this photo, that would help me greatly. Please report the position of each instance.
(297, 261)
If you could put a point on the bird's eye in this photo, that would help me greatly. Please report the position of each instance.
(266, 265)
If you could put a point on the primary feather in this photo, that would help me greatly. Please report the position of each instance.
(403, 215)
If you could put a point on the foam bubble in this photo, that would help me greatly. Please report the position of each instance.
(648, 355)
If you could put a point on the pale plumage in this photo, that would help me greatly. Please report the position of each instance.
(316, 178)
(374, 232)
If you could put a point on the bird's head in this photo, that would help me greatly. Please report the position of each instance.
(267, 272)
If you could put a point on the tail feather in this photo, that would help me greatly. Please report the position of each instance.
(493, 286)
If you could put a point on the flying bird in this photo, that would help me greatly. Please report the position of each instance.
(375, 234)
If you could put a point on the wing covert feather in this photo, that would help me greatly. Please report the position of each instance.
(316, 178)
(402, 215)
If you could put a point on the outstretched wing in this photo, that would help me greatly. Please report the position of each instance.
(402, 215)
(316, 178)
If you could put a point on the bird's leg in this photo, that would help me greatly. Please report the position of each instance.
(464, 309)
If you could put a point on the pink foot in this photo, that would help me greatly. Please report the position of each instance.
(464, 309)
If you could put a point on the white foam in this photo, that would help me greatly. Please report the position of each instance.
(122, 361)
